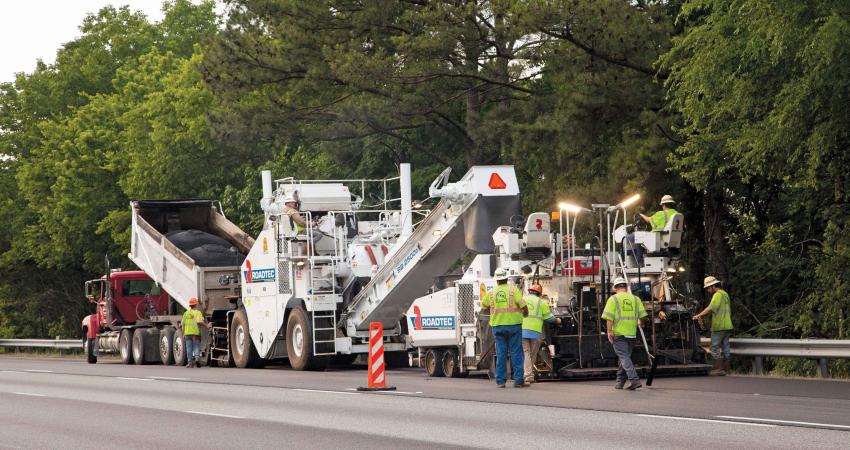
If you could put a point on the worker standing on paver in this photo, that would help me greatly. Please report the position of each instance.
(659, 219)
(190, 323)
(721, 325)
(532, 328)
(507, 308)
(622, 315)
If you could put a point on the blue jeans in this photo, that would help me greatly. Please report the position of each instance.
(508, 339)
(720, 344)
(193, 347)
(623, 348)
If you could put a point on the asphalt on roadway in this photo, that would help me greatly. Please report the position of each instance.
(66, 403)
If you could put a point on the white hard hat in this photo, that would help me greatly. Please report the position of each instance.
(289, 197)
(667, 199)
(501, 274)
(709, 281)
(618, 281)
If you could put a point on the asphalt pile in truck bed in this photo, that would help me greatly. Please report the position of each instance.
(207, 250)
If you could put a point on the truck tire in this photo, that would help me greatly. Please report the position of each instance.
(125, 343)
(241, 347)
(178, 348)
(91, 350)
(396, 360)
(434, 363)
(166, 346)
(451, 363)
(139, 347)
(299, 343)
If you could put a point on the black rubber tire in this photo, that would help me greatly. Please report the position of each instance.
(125, 343)
(302, 358)
(451, 364)
(241, 347)
(91, 347)
(396, 360)
(433, 363)
(178, 348)
(166, 346)
(139, 347)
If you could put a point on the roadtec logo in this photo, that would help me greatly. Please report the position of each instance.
(257, 275)
(431, 322)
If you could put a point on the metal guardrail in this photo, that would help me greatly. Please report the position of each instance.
(821, 349)
(61, 344)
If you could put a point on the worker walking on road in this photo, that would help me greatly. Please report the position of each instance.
(507, 308)
(192, 318)
(622, 315)
(532, 328)
(659, 219)
(721, 325)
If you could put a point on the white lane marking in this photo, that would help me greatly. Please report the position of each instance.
(692, 419)
(169, 378)
(399, 392)
(30, 394)
(134, 379)
(228, 416)
(38, 371)
(325, 392)
(10, 371)
(791, 422)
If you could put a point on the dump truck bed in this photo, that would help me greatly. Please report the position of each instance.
(153, 221)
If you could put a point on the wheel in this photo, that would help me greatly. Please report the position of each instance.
(451, 364)
(396, 360)
(178, 348)
(166, 346)
(91, 350)
(241, 347)
(299, 343)
(139, 347)
(433, 363)
(125, 340)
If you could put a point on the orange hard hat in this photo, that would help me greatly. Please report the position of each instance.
(536, 288)
(193, 301)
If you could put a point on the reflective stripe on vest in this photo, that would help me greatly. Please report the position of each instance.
(621, 317)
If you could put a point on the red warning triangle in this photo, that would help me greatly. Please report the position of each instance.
(496, 182)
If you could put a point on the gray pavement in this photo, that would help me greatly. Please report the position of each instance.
(70, 404)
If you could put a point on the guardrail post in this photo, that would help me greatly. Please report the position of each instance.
(758, 366)
(823, 367)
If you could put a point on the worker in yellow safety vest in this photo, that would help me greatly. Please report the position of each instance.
(192, 319)
(659, 219)
(532, 328)
(622, 315)
(507, 308)
(721, 325)
(299, 222)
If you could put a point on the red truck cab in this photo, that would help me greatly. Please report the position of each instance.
(122, 298)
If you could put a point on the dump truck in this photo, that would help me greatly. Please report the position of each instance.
(185, 249)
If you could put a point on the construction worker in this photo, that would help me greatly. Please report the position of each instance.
(532, 328)
(507, 308)
(298, 221)
(659, 219)
(622, 313)
(192, 318)
(721, 325)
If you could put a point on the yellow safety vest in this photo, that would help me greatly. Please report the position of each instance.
(538, 312)
(659, 219)
(721, 311)
(624, 310)
(505, 302)
(191, 319)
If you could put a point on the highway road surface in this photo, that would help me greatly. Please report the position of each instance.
(66, 403)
